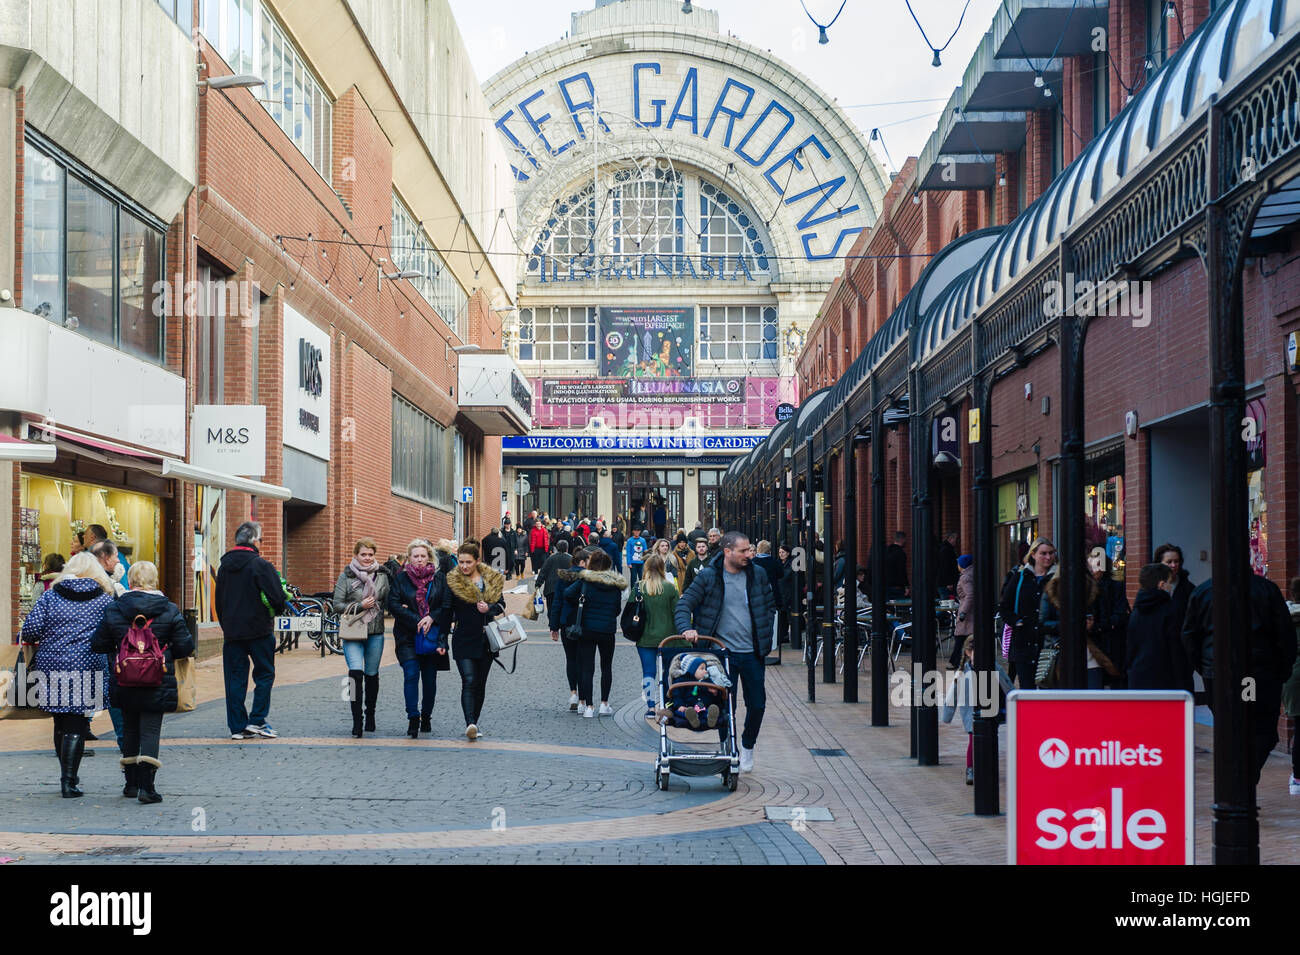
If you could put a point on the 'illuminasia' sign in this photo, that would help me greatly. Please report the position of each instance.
(643, 391)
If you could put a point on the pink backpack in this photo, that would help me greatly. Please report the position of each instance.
(139, 657)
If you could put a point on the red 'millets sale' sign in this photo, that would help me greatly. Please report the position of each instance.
(1099, 778)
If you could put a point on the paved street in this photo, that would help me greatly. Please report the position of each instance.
(543, 786)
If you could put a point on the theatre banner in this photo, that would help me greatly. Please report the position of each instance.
(646, 342)
(643, 391)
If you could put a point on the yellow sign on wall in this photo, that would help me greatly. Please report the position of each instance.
(974, 426)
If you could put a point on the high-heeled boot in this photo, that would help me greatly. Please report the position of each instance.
(372, 695)
(73, 745)
(355, 677)
(132, 787)
(413, 727)
(146, 769)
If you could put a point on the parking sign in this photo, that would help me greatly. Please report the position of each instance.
(1099, 778)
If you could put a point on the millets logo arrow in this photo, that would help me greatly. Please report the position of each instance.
(1054, 753)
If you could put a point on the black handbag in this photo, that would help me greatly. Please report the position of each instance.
(574, 630)
(632, 621)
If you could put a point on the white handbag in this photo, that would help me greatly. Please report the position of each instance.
(353, 626)
(505, 632)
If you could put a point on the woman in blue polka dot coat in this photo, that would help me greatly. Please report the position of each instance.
(73, 680)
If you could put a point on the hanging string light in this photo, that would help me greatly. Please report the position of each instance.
(936, 49)
(822, 38)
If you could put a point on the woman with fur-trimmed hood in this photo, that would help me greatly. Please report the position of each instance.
(599, 590)
(473, 596)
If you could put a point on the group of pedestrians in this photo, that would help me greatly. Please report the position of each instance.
(1160, 643)
(78, 627)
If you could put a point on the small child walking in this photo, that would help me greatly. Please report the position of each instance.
(963, 697)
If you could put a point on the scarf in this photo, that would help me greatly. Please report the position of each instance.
(367, 578)
(420, 577)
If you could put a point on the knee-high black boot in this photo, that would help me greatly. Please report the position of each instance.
(131, 789)
(372, 694)
(355, 677)
(73, 745)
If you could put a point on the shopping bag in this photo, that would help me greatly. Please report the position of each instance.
(17, 685)
(187, 685)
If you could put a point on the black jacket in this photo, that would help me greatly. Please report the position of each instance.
(946, 572)
(460, 611)
(604, 599)
(1111, 612)
(700, 608)
(173, 636)
(547, 577)
(895, 567)
(1019, 607)
(495, 553)
(1182, 595)
(406, 613)
(242, 579)
(1272, 635)
(775, 573)
(789, 583)
(1156, 658)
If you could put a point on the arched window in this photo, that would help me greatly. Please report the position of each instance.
(569, 233)
(727, 229)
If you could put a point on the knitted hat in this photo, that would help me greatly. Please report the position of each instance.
(964, 561)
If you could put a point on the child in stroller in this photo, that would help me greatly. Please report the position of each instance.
(697, 696)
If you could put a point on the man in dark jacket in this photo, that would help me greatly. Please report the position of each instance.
(732, 601)
(699, 534)
(767, 561)
(548, 577)
(896, 568)
(1156, 658)
(243, 580)
(510, 537)
(495, 554)
(946, 571)
(606, 543)
(1272, 653)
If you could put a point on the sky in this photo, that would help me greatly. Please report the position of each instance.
(876, 66)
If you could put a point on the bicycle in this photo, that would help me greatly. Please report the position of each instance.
(299, 605)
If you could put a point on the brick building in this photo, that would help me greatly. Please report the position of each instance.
(303, 251)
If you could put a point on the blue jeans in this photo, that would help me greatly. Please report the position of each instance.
(115, 714)
(648, 657)
(635, 571)
(415, 671)
(748, 672)
(235, 655)
(1095, 676)
(364, 654)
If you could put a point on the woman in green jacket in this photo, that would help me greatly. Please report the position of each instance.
(660, 595)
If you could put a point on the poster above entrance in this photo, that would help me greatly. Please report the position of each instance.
(643, 391)
(646, 342)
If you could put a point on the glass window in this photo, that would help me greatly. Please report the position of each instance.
(559, 333)
(422, 456)
(139, 282)
(43, 182)
(251, 40)
(413, 250)
(648, 214)
(210, 358)
(90, 244)
(1157, 33)
(726, 229)
(736, 333)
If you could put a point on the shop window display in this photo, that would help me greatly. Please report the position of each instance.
(53, 512)
(1104, 517)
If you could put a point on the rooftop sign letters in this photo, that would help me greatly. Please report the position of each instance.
(697, 101)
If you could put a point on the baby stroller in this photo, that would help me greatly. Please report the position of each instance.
(701, 752)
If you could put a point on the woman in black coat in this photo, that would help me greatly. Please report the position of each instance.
(414, 598)
(599, 589)
(143, 706)
(472, 597)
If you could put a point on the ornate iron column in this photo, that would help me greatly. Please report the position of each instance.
(985, 574)
(923, 645)
(828, 571)
(879, 623)
(1227, 224)
(851, 565)
(1072, 329)
(810, 524)
(797, 498)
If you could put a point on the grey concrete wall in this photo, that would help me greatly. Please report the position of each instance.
(420, 48)
(114, 83)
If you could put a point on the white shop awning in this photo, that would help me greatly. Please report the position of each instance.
(229, 482)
